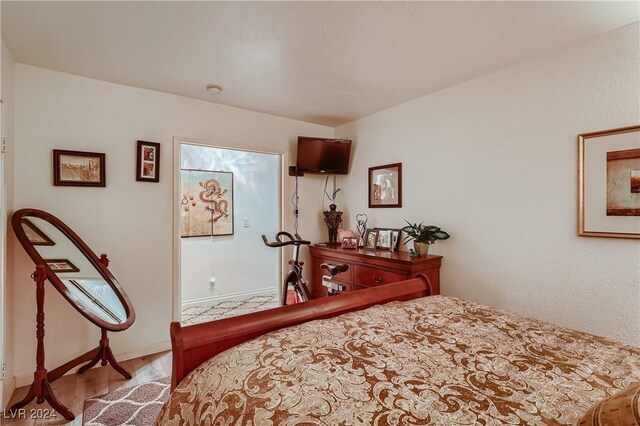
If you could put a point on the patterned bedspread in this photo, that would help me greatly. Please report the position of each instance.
(434, 360)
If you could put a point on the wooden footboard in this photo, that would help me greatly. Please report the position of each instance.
(193, 345)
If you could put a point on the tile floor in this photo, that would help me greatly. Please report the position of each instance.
(229, 308)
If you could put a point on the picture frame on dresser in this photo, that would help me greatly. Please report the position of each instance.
(609, 183)
(388, 239)
(371, 239)
(350, 243)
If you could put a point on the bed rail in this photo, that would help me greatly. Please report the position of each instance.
(193, 345)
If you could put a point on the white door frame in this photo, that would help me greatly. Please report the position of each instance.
(177, 161)
(3, 266)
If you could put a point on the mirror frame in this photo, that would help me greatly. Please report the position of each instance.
(16, 223)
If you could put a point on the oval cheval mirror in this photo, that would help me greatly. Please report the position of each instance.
(84, 280)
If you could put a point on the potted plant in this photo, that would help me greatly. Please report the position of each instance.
(423, 236)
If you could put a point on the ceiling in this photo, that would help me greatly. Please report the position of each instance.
(321, 62)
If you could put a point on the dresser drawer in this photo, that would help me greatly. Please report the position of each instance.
(370, 268)
(366, 276)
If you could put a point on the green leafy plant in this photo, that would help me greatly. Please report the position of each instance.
(423, 233)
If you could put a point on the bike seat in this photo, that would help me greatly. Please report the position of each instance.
(334, 269)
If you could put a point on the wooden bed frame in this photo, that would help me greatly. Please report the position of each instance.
(193, 345)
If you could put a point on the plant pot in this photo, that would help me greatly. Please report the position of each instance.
(421, 248)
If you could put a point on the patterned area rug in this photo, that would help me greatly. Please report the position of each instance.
(138, 405)
(230, 308)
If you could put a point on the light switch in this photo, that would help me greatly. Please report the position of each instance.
(246, 222)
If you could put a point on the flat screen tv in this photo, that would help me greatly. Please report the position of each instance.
(321, 155)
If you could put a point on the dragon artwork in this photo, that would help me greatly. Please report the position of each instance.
(207, 203)
(211, 196)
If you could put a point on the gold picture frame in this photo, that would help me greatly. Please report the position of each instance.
(600, 155)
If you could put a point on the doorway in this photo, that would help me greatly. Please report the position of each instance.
(228, 198)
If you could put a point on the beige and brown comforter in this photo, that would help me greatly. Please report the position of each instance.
(435, 360)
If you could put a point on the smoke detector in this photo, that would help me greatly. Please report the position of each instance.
(214, 89)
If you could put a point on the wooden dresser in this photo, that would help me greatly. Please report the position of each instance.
(368, 268)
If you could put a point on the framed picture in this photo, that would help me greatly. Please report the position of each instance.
(77, 168)
(388, 239)
(206, 205)
(61, 265)
(148, 162)
(385, 186)
(349, 243)
(609, 183)
(371, 239)
(35, 235)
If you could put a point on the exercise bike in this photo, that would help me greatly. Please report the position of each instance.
(294, 276)
(333, 288)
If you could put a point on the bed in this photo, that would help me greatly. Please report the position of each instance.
(391, 356)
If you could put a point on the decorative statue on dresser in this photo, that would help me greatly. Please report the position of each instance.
(361, 219)
(333, 219)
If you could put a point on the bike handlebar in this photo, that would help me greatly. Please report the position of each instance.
(297, 240)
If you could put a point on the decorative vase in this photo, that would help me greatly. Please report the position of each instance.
(421, 248)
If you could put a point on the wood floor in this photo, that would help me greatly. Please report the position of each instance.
(72, 390)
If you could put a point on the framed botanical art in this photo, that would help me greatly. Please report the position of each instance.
(385, 186)
(61, 265)
(371, 239)
(148, 162)
(206, 205)
(78, 168)
(609, 183)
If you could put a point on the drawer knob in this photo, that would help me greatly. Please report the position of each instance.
(377, 279)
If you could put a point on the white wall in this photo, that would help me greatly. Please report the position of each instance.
(130, 221)
(7, 93)
(493, 161)
(240, 263)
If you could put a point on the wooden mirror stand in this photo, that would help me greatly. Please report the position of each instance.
(41, 385)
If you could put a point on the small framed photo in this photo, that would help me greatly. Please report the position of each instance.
(609, 183)
(35, 234)
(384, 239)
(349, 243)
(371, 239)
(78, 168)
(388, 239)
(385, 186)
(61, 265)
(148, 162)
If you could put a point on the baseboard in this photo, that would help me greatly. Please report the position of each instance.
(7, 393)
(206, 301)
(143, 351)
(24, 378)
